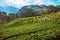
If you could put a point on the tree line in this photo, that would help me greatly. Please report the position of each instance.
(7, 18)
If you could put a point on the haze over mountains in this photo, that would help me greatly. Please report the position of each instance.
(29, 19)
(33, 10)
(28, 11)
(9, 9)
(11, 6)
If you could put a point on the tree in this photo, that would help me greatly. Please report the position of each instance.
(3, 14)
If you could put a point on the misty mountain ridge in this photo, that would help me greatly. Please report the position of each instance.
(28, 11)
(33, 10)
(32, 7)
(9, 9)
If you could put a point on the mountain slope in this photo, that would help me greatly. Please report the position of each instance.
(9, 9)
(45, 27)
(32, 10)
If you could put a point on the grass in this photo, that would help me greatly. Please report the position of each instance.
(42, 27)
(40, 35)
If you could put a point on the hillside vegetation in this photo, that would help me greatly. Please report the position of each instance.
(27, 11)
(44, 27)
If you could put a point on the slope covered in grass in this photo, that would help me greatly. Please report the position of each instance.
(43, 27)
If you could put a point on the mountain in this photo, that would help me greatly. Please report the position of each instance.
(9, 9)
(35, 10)
(1, 8)
(58, 6)
(32, 10)
(44, 27)
(53, 8)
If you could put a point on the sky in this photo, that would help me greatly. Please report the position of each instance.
(20, 3)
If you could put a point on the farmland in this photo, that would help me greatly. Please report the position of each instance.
(44, 27)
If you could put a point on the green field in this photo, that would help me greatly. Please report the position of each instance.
(44, 27)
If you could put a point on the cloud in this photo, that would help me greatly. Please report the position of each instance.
(20, 3)
(50, 2)
(58, 0)
(38, 2)
(16, 3)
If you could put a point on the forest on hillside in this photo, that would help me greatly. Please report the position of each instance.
(31, 22)
(28, 12)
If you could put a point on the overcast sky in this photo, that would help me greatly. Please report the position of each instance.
(20, 3)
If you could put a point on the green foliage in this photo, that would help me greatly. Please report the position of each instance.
(42, 27)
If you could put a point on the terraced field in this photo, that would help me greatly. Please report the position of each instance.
(44, 27)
